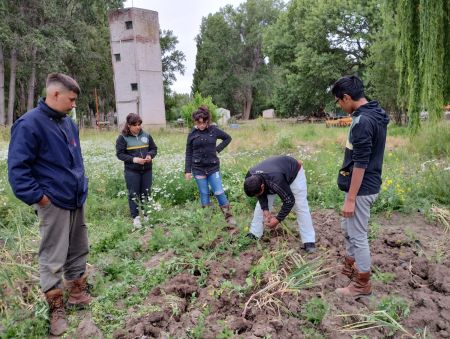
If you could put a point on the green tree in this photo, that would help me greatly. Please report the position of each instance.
(174, 102)
(172, 59)
(42, 36)
(172, 62)
(422, 58)
(230, 63)
(382, 75)
(314, 42)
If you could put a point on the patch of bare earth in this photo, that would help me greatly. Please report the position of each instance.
(406, 245)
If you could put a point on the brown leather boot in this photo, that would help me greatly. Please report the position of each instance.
(360, 286)
(226, 210)
(78, 294)
(57, 314)
(349, 267)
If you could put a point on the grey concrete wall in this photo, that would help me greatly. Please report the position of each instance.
(140, 63)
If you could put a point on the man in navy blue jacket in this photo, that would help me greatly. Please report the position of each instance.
(360, 179)
(46, 170)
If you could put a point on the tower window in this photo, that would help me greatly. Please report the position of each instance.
(117, 56)
(129, 24)
(134, 87)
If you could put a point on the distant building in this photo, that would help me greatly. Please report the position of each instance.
(136, 58)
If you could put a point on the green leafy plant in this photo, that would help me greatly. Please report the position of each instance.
(197, 101)
(384, 277)
(284, 142)
(315, 310)
(374, 231)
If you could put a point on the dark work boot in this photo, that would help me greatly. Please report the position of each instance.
(310, 247)
(360, 286)
(251, 236)
(348, 268)
(57, 314)
(78, 293)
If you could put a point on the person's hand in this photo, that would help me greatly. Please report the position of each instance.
(139, 161)
(267, 216)
(348, 210)
(148, 158)
(272, 222)
(188, 176)
(44, 201)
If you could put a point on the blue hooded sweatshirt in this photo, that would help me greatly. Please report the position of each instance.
(365, 148)
(44, 157)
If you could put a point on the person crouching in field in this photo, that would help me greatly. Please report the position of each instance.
(137, 150)
(203, 163)
(283, 176)
(46, 170)
(359, 178)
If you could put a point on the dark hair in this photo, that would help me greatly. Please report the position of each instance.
(202, 113)
(252, 185)
(132, 119)
(64, 80)
(350, 85)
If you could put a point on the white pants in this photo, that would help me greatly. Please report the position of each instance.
(301, 208)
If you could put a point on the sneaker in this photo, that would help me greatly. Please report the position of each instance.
(137, 222)
(252, 236)
(310, 247)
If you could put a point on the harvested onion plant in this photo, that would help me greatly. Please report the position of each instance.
(373, 320)
(442, 215)
(296, 275)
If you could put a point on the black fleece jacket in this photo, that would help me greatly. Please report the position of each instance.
(201, 150)
(278, 173)
(365, 148)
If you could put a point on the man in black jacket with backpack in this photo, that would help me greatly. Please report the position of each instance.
(360, 179)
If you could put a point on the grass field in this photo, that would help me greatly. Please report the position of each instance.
(181, 241)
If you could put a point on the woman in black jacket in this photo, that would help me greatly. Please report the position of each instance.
(137, 150)
(203, 163)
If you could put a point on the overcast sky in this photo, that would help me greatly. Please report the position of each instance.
(183, 17)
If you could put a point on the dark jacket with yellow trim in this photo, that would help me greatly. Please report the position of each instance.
(365, 148)
(131, 146)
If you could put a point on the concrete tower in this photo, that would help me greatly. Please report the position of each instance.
(136, 58)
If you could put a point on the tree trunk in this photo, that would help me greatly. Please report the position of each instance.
(248, 101)
(21, 96)
(2, 87)
(32, 80)
(12, 87)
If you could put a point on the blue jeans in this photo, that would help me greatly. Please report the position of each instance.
(213, 180)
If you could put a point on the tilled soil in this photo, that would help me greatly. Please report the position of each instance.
(414, 250)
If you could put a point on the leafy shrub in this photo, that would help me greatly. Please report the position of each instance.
(264, 125)
(284, 142)
(198, 100)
